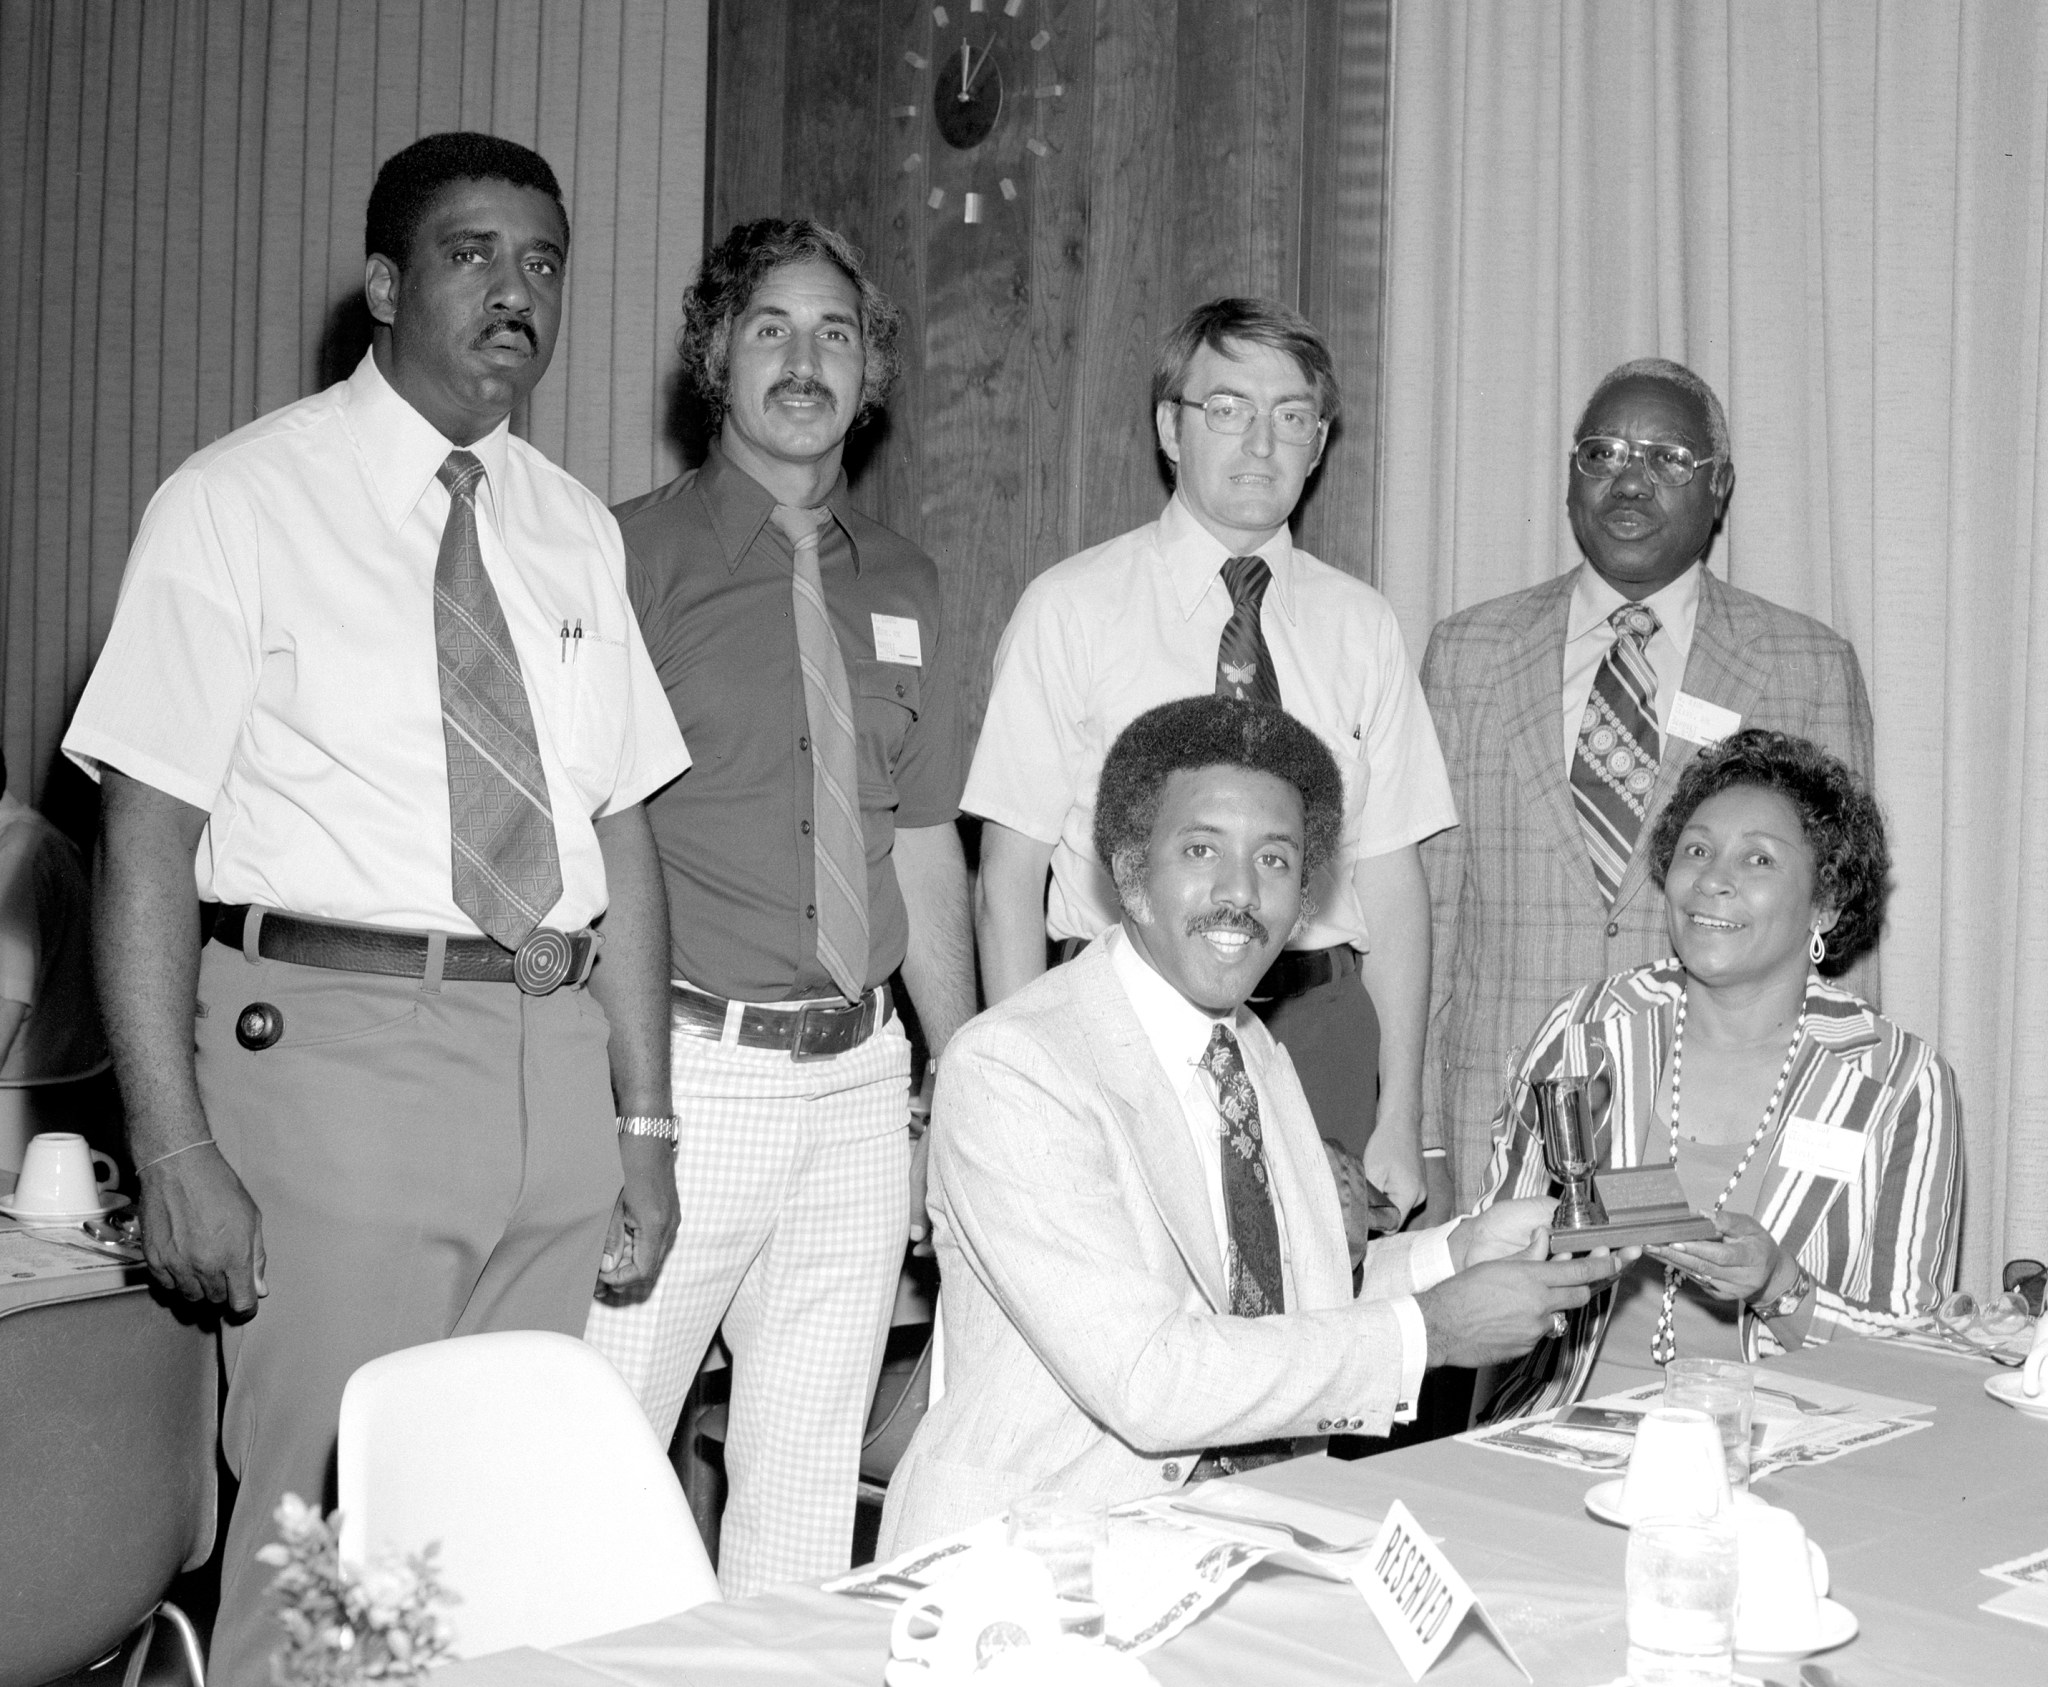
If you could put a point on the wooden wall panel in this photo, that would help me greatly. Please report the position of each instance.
(1198, 147)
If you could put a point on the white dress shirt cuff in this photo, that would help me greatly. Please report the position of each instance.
(1414, 1354)
(1430, 1261)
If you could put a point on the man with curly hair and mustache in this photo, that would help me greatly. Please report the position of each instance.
(808, 855)
(1147, 1281)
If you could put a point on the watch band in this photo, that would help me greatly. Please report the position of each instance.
(663, 1125)
(1788, 1303)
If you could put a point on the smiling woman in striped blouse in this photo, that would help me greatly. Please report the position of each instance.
(1823, 1139)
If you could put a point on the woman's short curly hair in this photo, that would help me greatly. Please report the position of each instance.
(1841, 820)
(1199, 732)
(725, 285)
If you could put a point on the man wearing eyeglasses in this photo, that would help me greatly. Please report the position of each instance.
(1568, 711)
(1214, 597)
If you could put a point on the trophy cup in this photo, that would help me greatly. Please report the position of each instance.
(1567, 1136)
(1633, 1205)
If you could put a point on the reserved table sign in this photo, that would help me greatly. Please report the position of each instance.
(1418, 1599)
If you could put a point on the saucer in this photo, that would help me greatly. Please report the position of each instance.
(1603, 1500)
(36, 1216)
(1837, 1628)
(2006, 1388)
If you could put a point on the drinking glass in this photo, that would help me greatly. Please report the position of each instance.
(1726, 1392)
(1681, 1602)
(1064, 1534)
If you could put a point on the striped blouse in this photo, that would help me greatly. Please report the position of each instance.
(1880, 1245)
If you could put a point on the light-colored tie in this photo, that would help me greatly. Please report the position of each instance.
(1614, 763)
(838, 843)
(506, 870)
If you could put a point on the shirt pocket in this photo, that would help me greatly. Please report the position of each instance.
(590, 719)
(885, 703)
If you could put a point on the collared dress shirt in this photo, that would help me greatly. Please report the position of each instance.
(710, 575)
(272, 660)
(1106, 635)
(1588, 637)
(1179, 1033)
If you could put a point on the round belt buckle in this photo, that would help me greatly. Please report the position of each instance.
(542, 962)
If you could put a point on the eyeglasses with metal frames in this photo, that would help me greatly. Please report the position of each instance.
(1601, 456)
(1226, 413)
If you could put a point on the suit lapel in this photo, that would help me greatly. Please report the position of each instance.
(1149, 1114)
(1530, 686)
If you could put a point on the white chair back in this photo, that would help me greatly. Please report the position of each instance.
(526, 1456)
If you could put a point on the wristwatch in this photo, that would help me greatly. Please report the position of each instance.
(1787, 1303)
(662, 1125)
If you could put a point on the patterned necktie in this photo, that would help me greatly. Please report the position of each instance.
(1614, 767)
(1254, 1264)
(1244, 666)
(506, 871)
(838, 844)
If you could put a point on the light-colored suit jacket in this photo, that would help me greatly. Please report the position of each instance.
(1088, 1346)
(1520, 921)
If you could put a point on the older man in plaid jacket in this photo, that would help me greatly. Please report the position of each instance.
(1566, 713)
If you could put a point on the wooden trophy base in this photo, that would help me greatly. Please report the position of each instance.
(1644, 1204)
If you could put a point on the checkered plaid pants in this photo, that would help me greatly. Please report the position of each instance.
(794, 1181)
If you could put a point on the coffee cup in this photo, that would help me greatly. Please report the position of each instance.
(1676, 1467)
(1781, 1579)
(61, 1175)
(995, 1599)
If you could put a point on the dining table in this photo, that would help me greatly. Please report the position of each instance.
(1908, 1526)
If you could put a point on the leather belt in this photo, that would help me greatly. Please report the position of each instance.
(814, 1030)
(545, 961)
(1297, 971)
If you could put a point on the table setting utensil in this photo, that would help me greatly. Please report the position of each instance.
(63, 1181)
(1302, 1538)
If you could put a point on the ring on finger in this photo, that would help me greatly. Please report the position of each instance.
(1560, 1325)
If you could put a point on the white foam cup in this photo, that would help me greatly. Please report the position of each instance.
(1675, 1468)
(60, 1174)
(995, 1599)
(1781, 1579)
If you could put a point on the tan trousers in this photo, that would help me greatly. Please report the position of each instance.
(427, 1164)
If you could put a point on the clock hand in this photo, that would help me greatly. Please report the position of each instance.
(987, 53)
(966, 62)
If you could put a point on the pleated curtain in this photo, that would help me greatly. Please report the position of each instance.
(182, 187)
(1835, 212)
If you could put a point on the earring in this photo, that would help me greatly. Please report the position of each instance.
(1817, 950)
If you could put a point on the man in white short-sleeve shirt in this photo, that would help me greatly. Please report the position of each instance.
(1215, 597)
(374, 693)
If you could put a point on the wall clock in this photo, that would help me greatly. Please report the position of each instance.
(986, 73)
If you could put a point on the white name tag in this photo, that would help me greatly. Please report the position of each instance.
(1810, 1146)
(896, 640)
(1419, 1600)
(1700, 722)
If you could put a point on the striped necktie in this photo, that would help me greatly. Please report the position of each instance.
(1614, 765)
(505, 868)
(839, 846)
(1244, 666)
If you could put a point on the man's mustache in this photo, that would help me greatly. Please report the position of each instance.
(1229, 919)
(498, 323)
(791, 386)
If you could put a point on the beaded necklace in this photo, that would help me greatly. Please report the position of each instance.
(1664, 1344)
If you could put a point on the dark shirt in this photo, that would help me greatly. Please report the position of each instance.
(709, 576)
